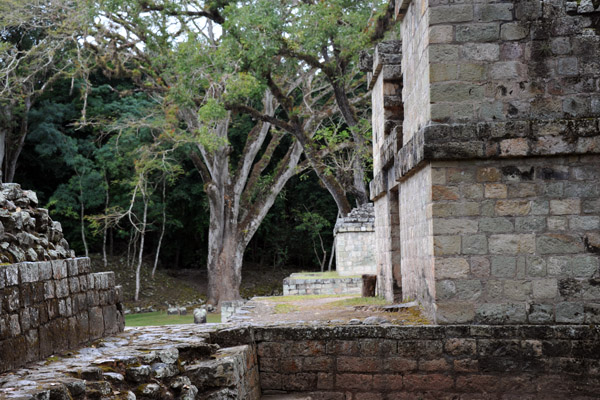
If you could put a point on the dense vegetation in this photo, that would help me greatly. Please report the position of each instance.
(192, 133)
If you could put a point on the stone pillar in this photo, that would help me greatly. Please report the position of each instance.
(385, 80)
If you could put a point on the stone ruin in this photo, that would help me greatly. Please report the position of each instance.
(486, 160)
(50, 300)
(27, 233)
(355, 242)
(486, 213)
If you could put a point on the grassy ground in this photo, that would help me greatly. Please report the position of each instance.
(360, 301)
(161, 318)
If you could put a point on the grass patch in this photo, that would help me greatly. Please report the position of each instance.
(304, 297)
(359, 301)
(284, 308)
(321, 275)
(159, 318)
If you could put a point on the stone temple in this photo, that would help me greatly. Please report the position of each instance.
(486, 160)
(486, 198)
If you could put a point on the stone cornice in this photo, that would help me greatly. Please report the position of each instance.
(499, 140)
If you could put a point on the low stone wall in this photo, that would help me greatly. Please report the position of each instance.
(51, 306)
(303, 286)
(164, 362)
(431, 362)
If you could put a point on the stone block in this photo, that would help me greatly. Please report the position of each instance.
(584, 223)
(512, 244)
(96, 322)
(513, 207)
(474, 244)
(450, 14)
(439, 55)
(481, 51)
(441, 34)
(584, 266)
(514, 31)
(540, 313)
(45, 270)
(557, 223)
(495, 191)
(471, 72)
(503, 266)
(544, 288)
(462, 209)
(478, 32)
(565, 206)
(530, 224)
(536, 266)
(450, 226)
(59, 269)
(456, 92)
(558, 243)
(570, 313)
(494, 12)
(11, 274)
(451, 268)
(446, 245)
(61, 288)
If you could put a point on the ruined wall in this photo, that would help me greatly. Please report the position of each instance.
(355, 242)
(418, 280)
(415, 67)
(512, 89)
(296, 285)
(430, 362)
(517, 240)
(513, 60)
(51, 306)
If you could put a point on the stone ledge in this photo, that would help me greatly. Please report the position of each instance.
(499, 140)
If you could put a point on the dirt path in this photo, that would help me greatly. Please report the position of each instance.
(321, 309)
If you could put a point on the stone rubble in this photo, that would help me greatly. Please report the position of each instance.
(27, 233)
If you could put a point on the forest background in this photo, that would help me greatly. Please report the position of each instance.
(190, 133)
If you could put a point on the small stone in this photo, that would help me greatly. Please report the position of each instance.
(375, 320)
(199, 316)
(354, 321)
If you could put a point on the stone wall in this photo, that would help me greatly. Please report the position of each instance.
(512, 60)
(51, 306)
(166, 362)
(512, 88)
(298, 285)
(430, 362)
(517, 240)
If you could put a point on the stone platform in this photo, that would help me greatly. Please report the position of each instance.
(305, 284)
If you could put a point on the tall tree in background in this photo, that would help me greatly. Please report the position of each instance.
(190, 77)
(279, 40)
(40, 42)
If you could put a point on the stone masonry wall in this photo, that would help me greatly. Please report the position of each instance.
(517, 241)
(355, 242)
(513, 60)
(296, 286)
(418, 279)
(430, 362)
(415, 67)
(51, 306)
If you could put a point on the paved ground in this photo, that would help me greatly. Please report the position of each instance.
(321, 309)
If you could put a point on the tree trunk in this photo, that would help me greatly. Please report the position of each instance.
(141, 253)
(105, 229)
(82, 215)
(162, 229)
(14, 149)
(225, 272)
(360, 187)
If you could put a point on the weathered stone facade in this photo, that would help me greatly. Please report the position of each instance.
(495, 171)
(299, 285)
(50, 306)
(355, 242)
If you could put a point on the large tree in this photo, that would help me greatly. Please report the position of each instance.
(40, 42)
(189, 77)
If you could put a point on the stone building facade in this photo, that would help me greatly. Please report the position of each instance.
(355, 242)
(487, 160)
